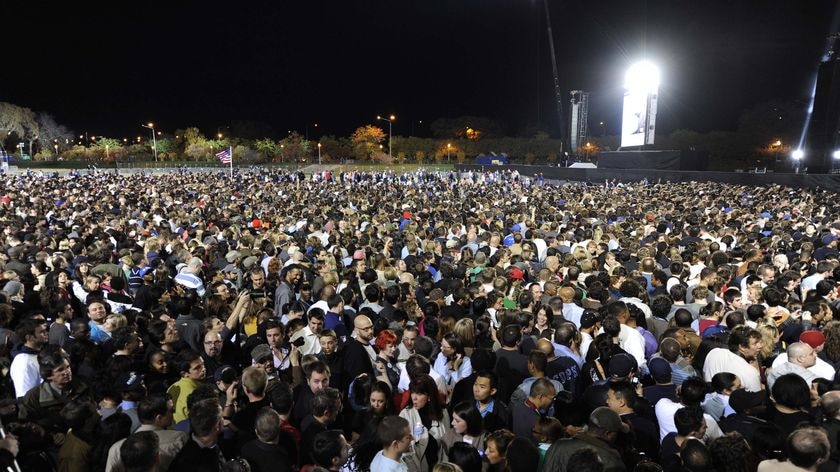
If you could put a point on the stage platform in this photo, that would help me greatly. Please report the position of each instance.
(599, 175)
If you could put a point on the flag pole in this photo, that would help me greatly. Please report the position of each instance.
(230, 150)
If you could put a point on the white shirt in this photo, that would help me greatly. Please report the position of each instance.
(641, 305)
(25, 373)
(821, 369)
(384, 464)
(451, 377)
(311, 345)
(723, 360)
(633, 342)
(665, 409)
(810, 283)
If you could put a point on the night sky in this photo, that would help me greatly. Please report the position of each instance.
(107, 69)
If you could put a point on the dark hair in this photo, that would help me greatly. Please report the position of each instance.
(325, 446)
(585, 460)
(792, 391)
(123, 336)
(693, 391)
(511, 335)
(139, 451)
(281, 398)
(688, 420)
(184, 359)
(468, 412)
(424, 384)
(522, 455)
(204, 416)
(152, 406)
(324, 401)
(49, 360)
(465, 456)
(391, 429)
(696, 456)
(491, 376)
(730, 452)
(723, 381)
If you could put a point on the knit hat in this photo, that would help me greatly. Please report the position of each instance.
(812, 338)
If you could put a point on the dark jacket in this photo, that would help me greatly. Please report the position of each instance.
(43, 401)
(264, 457)
(194, 457)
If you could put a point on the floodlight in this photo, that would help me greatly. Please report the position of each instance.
(642, 76)
(798, 154)
(836, 154)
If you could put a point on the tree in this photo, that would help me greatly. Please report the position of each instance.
(267, 147)
(18, 120)
(334, 149)
(470, 127)
(366, 141)
(193, 136)
(51, 133)
(294, 146)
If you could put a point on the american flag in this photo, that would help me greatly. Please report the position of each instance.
(225, 156)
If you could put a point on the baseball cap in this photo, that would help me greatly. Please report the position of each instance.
(741, 400)
(604, 418)
(225, 373)
(621, 365)
(260, 352)
(812, 338)
(588, 319)
(660, 370)
(516, 273)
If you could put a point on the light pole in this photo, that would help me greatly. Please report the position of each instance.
(448, 148)
(151, 126)
(319, 154)
(797, 156)
(390, 120)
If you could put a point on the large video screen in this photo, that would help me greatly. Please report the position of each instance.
(634, 118)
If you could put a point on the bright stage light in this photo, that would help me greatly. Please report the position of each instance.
(798, 154)
(836, 154)
(642, 76)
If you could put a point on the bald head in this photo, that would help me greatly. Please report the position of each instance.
(830, 404)
(363, 328)
(567, 294)
(546, 347)
(802, 355)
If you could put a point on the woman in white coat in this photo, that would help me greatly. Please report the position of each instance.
(429, 424)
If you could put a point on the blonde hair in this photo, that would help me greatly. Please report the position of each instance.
(769, 336)
(465, 329)
(117, 321)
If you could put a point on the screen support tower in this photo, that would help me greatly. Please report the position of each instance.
(579, 119)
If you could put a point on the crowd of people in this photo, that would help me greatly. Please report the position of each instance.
(470, 322)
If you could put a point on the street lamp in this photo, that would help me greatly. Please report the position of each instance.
(319, 154)
(151, 126)
(390, 120)
(448, 148)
